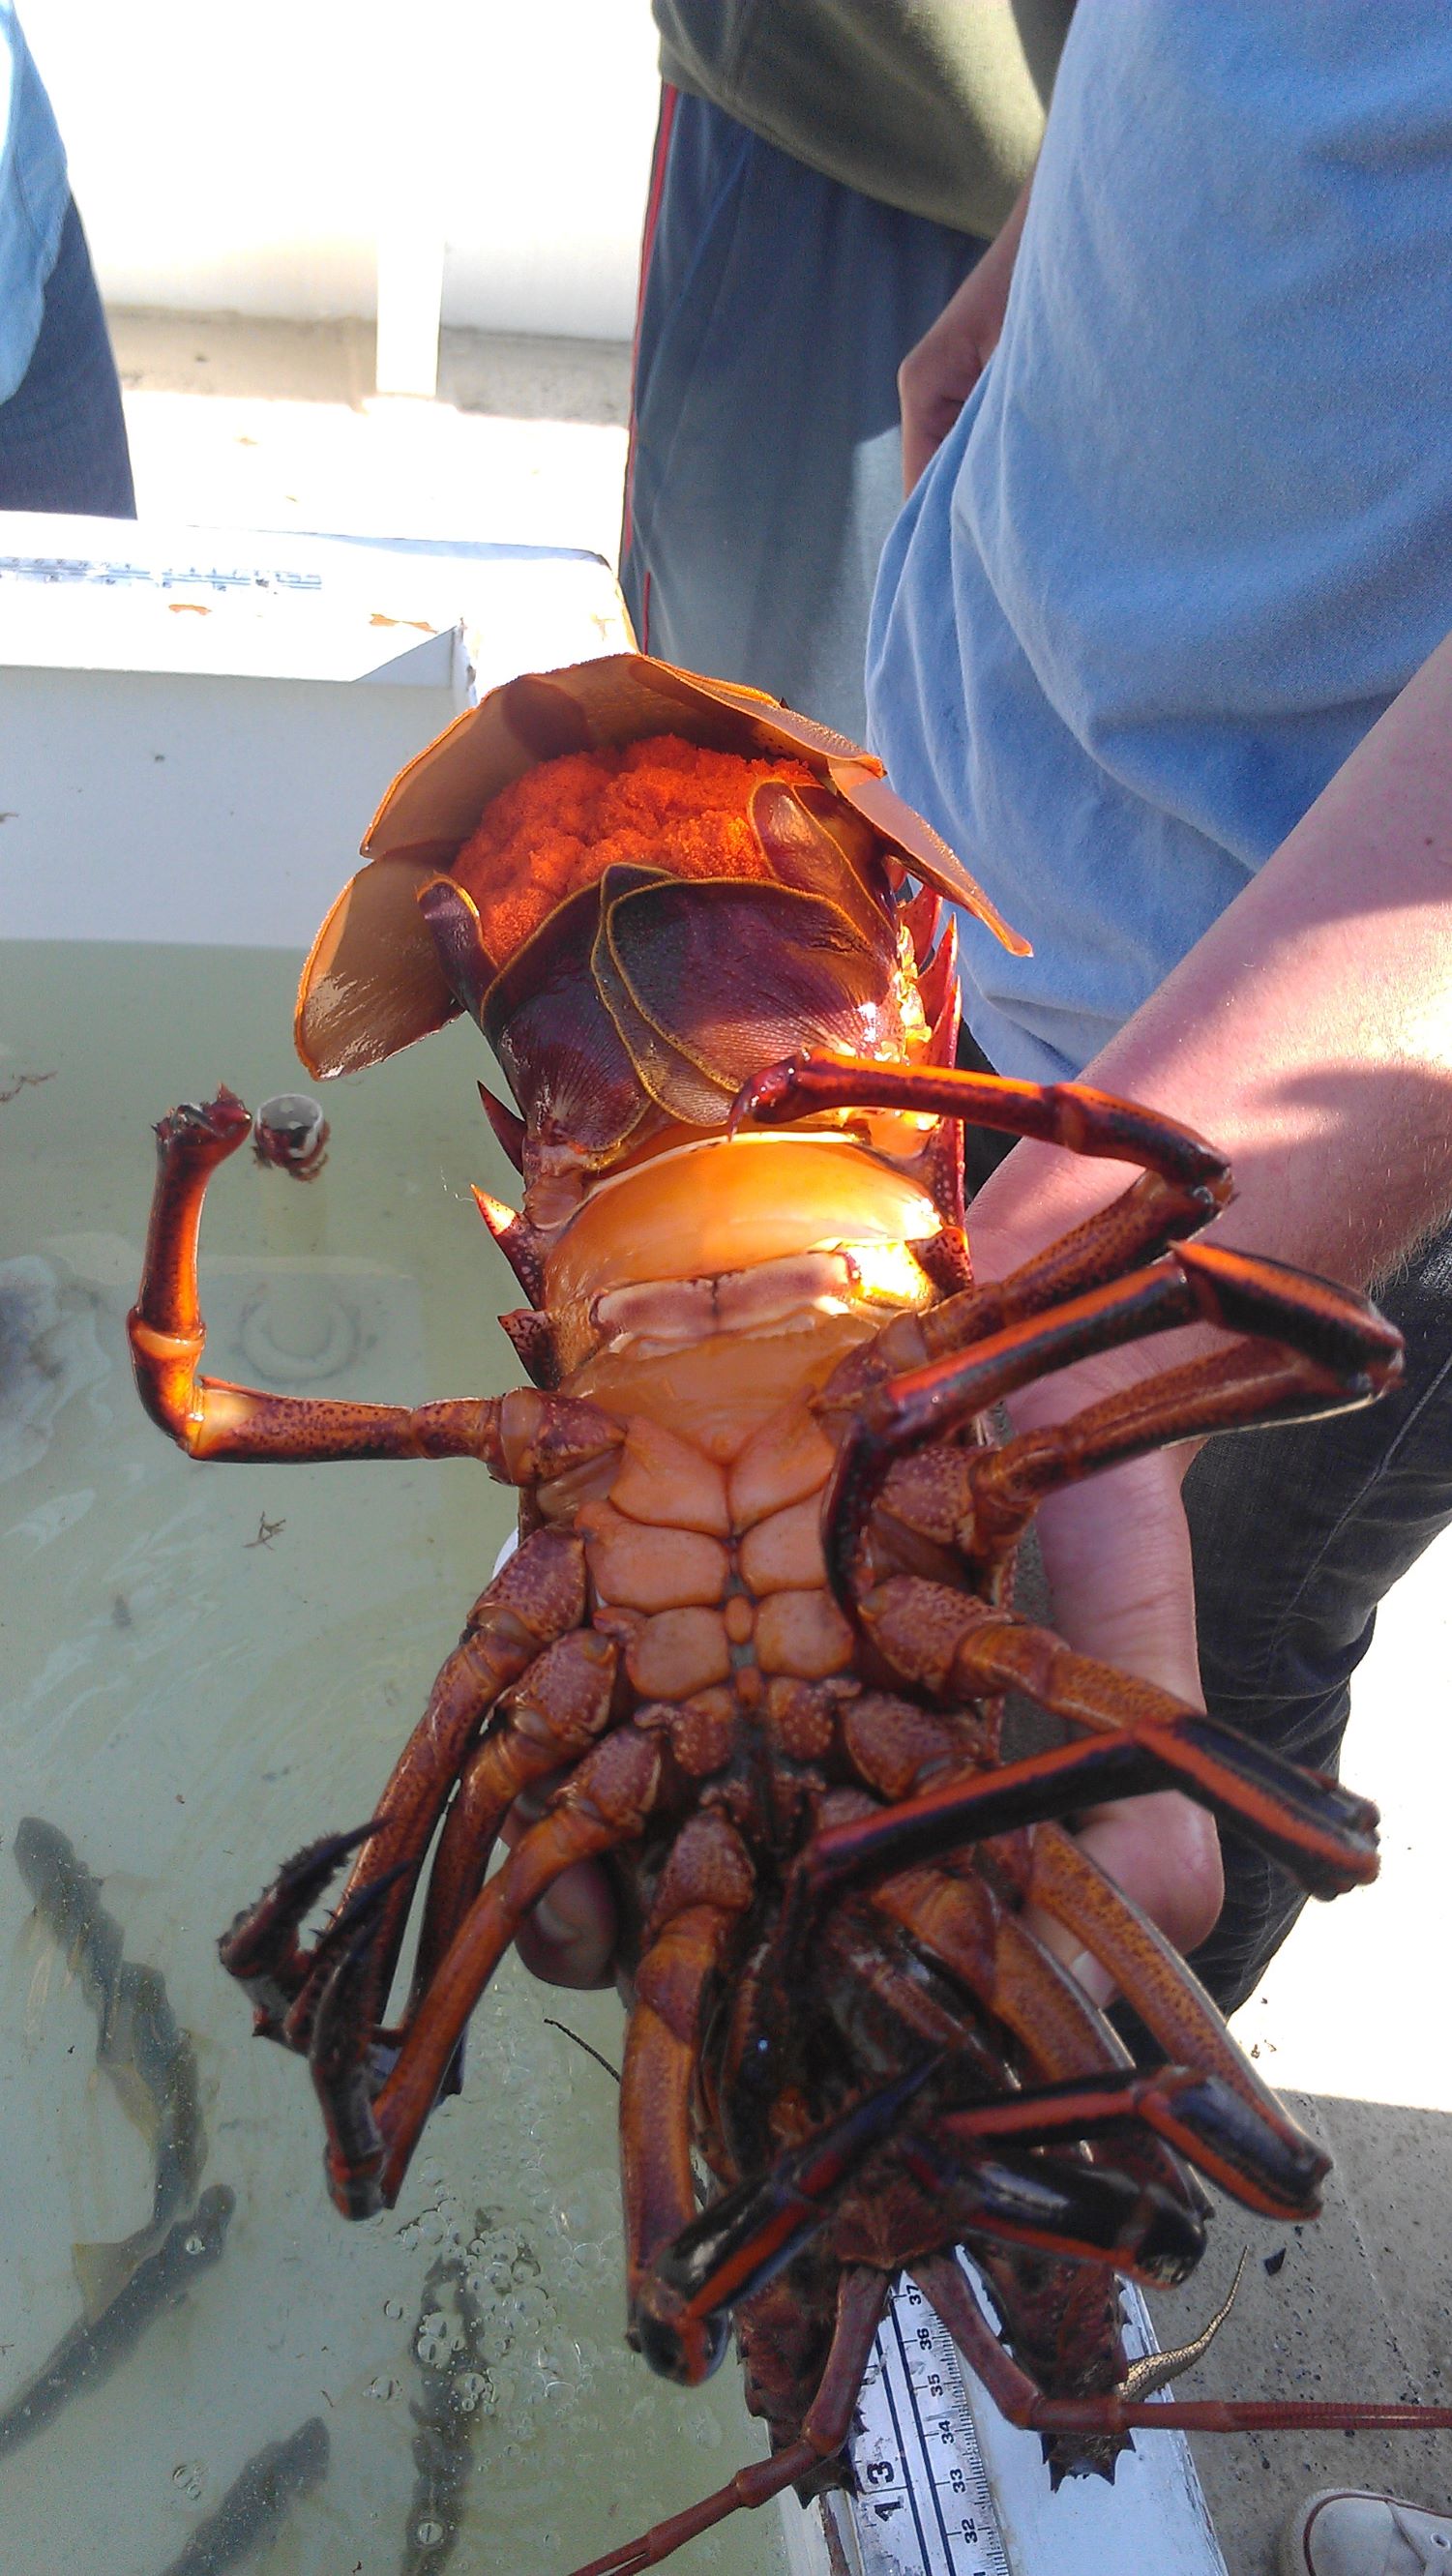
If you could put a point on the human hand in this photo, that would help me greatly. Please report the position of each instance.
(1116, 1555)
(938, 375)
(569, 1939)
(1116, 1560)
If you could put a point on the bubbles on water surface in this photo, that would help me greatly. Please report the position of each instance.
(191, 2477)
(433, 2342)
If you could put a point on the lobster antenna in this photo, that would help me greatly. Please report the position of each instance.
(1157, 2369)
(551, 2024)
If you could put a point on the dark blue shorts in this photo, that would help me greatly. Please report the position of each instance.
(1298, 1533)
(765, 459)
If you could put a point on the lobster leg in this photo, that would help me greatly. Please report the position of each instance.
(1086, 2212)
(537, 1595)
(1145, 1738)
(860, 2303)
(662, 2058)
(979, 1501)
(1056, 2205)
(1062, 1879)
(1022, 2402)
(549, 1718)
(1347, 1353)
(962, 1922)
(707, 1887)
(373, 2128)
(958, 1923)
(962, 1925)
(521, 1438)
(1265, 2163)
(1137, 1227)
(1184, 1184)
(1071, 1114)
(734, 2248)
(262, 1950)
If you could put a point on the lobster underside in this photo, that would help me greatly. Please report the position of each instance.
(760, 1626)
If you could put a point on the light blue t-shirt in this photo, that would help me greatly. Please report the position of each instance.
(34, 195)
(1194, 529)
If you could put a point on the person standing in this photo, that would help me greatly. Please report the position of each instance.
(825, 174)
(1160, 645)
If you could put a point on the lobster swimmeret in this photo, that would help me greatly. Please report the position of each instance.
(761, 1616)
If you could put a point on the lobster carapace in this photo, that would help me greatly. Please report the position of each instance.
(761, 1617)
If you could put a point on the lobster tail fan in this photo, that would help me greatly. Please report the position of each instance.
(835, 859)
(923, 851)
(680, 1084)
(373, 982)
(458, 938)
(733, 976)
(560, 1050)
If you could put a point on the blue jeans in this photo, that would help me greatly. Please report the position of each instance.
(62, 433)
(765, 454)
(1298, 1533)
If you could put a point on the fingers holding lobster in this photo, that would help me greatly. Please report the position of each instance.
(1330, 1351)
(956, 1647)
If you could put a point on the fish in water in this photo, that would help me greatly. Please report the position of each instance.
(89, 2352)
(443, 2443)
(141, 2048)
(251, 2512)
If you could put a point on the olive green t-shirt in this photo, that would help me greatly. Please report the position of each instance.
(933, 105)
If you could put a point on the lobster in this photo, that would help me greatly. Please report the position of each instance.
(755, 1642)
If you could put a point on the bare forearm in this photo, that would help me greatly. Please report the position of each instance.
(1309, 1032)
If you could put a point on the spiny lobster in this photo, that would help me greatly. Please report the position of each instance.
(761, 1617)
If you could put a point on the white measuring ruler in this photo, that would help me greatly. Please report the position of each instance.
(947, 2488)
(924, 2501)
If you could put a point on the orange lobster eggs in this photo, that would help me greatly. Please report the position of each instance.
(663, 802)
